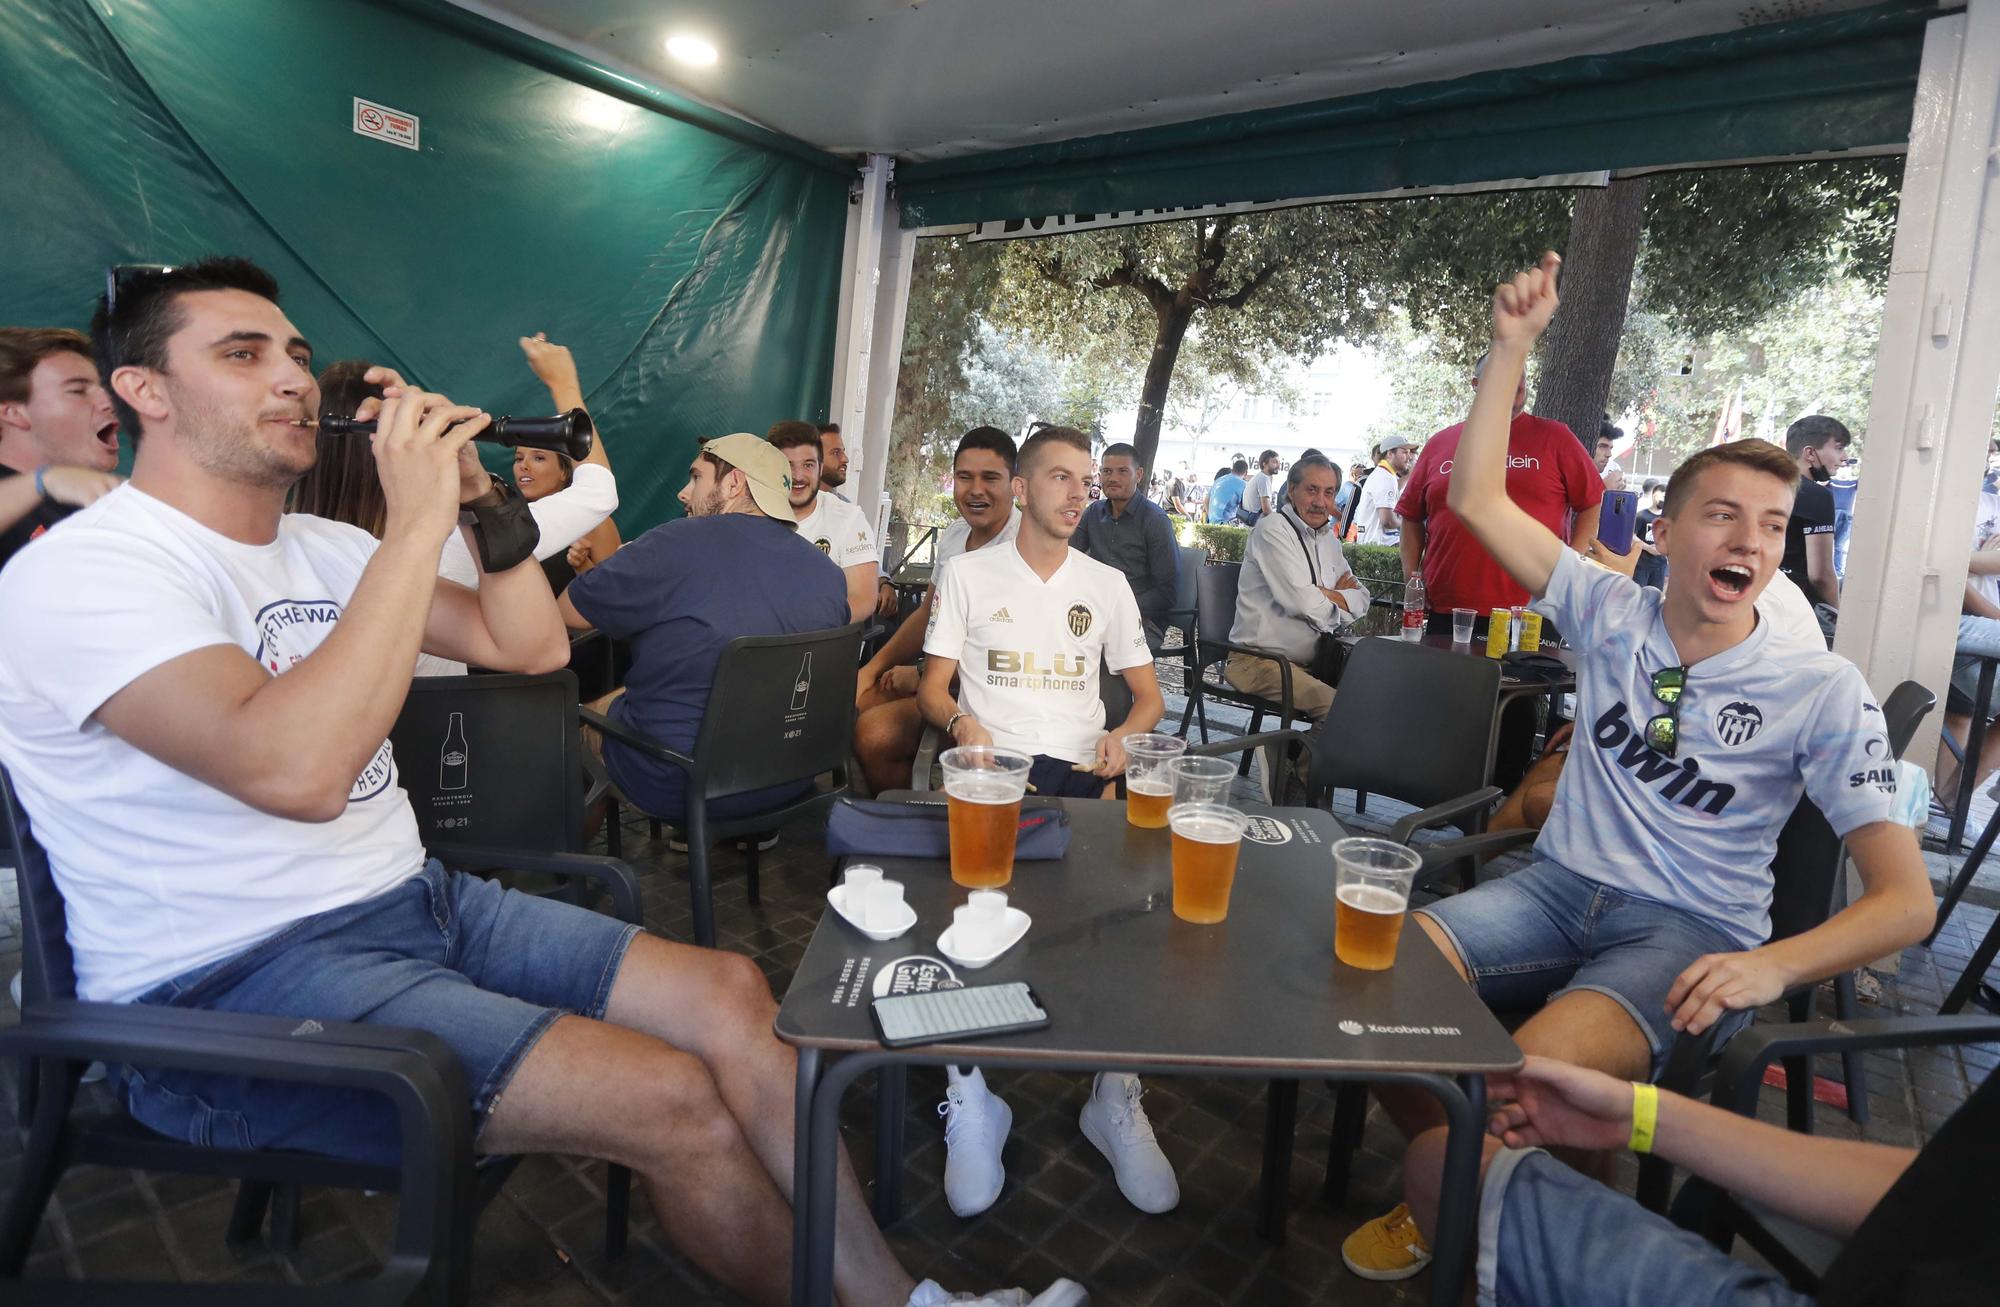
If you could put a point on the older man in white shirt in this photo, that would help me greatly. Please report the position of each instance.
(1295, 587)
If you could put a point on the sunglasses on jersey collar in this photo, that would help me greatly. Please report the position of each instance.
(1663, 733)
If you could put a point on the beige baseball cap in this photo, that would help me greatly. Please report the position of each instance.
(764, 465)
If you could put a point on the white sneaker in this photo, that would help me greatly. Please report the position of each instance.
(1115, 1121)
(1063, 1293)
(975, 1126)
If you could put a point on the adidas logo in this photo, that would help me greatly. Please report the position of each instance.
(1000, 616)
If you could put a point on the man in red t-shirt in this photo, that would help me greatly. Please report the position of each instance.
(1549, 474)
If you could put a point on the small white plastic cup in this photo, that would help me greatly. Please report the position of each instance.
(988, 907)
(885, 904)
(860, 876)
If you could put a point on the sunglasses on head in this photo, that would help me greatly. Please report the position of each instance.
(1663, 733)
(120, 278)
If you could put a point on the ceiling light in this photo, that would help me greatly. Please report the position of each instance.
(692, 50)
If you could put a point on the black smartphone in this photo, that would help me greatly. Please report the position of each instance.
(942, 1016)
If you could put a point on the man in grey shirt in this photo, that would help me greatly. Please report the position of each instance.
(1132, 533)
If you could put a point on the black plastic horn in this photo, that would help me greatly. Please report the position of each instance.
(567, 433)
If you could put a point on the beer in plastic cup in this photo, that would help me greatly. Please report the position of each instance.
(1371, 896)
(1149, 790)
(1207, 838)
(1461, 624)
(1201, 780)
(983, 788)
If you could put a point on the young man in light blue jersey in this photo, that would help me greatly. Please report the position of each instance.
(1647, 912)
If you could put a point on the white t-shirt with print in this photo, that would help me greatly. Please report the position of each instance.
(954, 538)
(1256, 493)
(159, 872)
(1029, 650)
(1759, 724)
(1380, 490)
(840, 531)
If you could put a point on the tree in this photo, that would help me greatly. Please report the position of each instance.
(951, 284)
(1582, 344)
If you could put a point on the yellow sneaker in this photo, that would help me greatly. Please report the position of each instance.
(1387, 1248)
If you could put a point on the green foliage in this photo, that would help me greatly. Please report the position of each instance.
(951, 285)
(1225, 544)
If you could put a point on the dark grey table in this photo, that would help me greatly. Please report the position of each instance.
(1131, 987)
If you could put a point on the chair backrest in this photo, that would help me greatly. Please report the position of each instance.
(781, 709)
(48, 968)
(1215, 599)
(1804, 872)
(1117, 696)
(1903, 711)
(1410, 722)
(493, 760)
(1187, 590)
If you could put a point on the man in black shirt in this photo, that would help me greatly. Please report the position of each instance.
(58, 434)
(1917, 1225)
(1651, 568)
(1819, 443)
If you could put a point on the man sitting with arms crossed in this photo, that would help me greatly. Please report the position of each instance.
(829, 523)
(889, 726)
(1295, 586)
(1130, 532)
(58, 433)
(1030, 624)
(195, 695)
(1648, 911)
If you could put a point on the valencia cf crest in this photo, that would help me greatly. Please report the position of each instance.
(824, 546)
(1079, 620)
(1738, 723)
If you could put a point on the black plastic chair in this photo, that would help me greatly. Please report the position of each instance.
(1215, 605)
(1184, 617)
(781, 710)
(441, 1188)
(1797, 1252)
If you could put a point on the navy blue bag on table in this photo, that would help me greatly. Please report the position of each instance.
(918, 828)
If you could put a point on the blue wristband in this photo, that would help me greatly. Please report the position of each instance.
(41, 490)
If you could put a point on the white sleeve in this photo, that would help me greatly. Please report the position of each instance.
(88, 612)
(1356, 596)
(1589, 602)
(945, 637)
(1844, 756)
(1283, 563)
(571, 513)
(1125, 634)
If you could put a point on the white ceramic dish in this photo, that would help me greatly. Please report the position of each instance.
(1012, 927)
(837, 896)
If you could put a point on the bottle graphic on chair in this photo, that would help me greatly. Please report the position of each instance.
(802, 686)
(453, 764)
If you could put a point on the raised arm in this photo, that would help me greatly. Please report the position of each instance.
(556, 369)
(74, 487)
(1521, 545)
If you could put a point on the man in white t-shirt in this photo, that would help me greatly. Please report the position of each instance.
(1375, 507)
(1024, 629)
(1647, 912)
(888, 728)
(195, 696)
(833, 526)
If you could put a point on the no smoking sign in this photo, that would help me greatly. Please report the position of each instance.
(382, 123)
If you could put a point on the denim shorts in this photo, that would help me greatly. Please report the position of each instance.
(1544, 931)
(1549, 1237)
(483, 968)
(1052, 778)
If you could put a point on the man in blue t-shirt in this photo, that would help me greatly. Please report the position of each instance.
(1647, 912)
(734, 566)
(1227, 494)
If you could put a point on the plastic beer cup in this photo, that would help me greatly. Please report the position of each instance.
(1462, 620)
(1371, 888)
(1207, 838)
(983, 788)
(1201, 780)
(1149, 790)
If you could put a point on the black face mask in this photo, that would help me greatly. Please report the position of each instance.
(1818, 472)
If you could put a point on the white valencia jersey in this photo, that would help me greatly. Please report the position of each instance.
(840, 531)
(1029, 650)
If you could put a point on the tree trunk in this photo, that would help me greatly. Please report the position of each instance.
(1581, 350)
(1174, 322)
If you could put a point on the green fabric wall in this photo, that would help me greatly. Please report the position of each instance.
(694, 274)
(1833, 82)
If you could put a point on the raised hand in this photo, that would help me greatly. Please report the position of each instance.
(418, 440)
(1522, 307)
(1553, 1103)
(551, 363)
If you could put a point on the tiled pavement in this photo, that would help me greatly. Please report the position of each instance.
(542, 1241)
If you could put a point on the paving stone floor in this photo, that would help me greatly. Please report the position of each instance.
(542, 1240)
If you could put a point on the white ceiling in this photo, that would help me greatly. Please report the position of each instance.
(937, 78)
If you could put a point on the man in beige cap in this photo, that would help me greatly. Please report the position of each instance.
(733, 566)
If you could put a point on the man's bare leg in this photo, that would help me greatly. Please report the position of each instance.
(718, 1007)
(685, 1083)
(886, 737)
